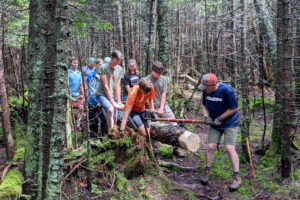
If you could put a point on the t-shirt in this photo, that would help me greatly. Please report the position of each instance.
(131, 80)
(220, 101)
(160, 87)
(74, 82)
(93, 84)
(137, 99)
(113, 76)
(85, 72)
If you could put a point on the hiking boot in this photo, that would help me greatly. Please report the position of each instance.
(205, 177)
(235, 183)
(178, 153)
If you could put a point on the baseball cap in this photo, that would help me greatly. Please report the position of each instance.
(92, 60)
(106, 59)
(208, 80)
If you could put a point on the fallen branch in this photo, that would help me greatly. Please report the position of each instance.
(171, 164)
(76, 166)
(187, 77)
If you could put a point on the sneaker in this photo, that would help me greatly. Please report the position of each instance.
(72, 128)
(235, 183)
(78, 128)
(178, 153)
(205, 177)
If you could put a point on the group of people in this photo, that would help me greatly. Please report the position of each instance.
(102, 83)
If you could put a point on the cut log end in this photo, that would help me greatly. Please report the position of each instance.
(189, 141)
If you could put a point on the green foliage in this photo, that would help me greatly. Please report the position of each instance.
(108, 158)
(122, 182)
(19, 142)
(297, 174)
(258, 103)
(11, 187)
(165, 151)
(95, 190)
(142, 185)
(16, 24)
(85, 19)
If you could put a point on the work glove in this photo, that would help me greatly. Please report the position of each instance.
(153, 116)
(208, 120)
(218, 121)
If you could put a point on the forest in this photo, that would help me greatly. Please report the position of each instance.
(149, 99)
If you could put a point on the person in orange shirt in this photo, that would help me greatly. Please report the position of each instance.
(138, 96)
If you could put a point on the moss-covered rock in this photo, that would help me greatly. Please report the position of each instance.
(11, 187)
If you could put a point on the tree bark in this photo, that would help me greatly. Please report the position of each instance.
(5, 114)
(175, 136)
(245, 121)
(151, 36)
(284, 84)
(162, 33)
(48, 54)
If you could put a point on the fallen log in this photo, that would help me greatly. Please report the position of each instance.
(11, 187)
(175, 136)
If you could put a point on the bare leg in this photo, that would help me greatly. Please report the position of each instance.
(110, 118)
(209, 155)
(233, 157)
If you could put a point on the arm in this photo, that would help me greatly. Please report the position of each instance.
(106, 89)
(229, 113)
(124, 119)
(81, 90)
(127, 87)
(118, 91)
(151, 105)
(162, 103)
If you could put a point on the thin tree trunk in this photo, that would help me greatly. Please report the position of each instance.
(245, 121)
(162, 33)
(6, 125)
(284, 84)
(151, 36)
(120, 28)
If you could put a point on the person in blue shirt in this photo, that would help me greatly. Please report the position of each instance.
(220, 109)
(88, 69)
(76, 91)
(95, 111)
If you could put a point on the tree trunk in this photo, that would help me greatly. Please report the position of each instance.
(48, 51)
(151, 37)
(297, 66)
(245, 121)
(284, 84)
(162, 33)
(5, 114)
(120, 28)
(175, 136)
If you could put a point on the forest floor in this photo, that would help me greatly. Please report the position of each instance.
(176, 184)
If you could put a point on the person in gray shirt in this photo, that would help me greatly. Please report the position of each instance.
(161, 106)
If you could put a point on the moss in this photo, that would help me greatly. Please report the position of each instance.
(297, 174)
(107, 157)
(11, 187)
(125, 142)
(165, 151)
(121, 182)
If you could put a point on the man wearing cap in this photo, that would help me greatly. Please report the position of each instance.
(88, 69)
(109, 90)
(161, 106)
(220, 109)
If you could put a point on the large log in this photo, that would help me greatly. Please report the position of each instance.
(175, 136)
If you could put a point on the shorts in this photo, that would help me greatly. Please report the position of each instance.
(214, 136)
(105, 103)
(138, 119)
(78, 103)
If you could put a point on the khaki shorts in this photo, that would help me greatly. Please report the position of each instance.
(214, 136)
